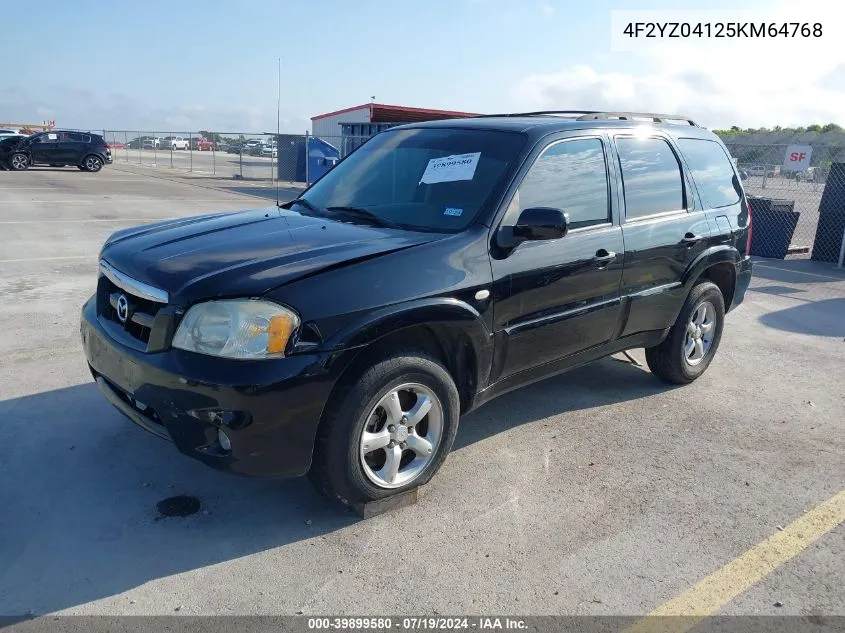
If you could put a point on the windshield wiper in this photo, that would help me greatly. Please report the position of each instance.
(364, 214)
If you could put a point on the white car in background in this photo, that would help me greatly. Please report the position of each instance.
(175, 142)
(268, 151)
(151, 143)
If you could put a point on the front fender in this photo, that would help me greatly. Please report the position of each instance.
(453, 317)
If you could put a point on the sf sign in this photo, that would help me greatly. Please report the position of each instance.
(797, 157)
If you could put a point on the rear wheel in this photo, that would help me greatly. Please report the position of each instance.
(92, 163)
(387, 432)
(18, 161)
(694, 338)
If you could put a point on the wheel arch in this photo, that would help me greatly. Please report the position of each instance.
(451, 331)
(718, 265)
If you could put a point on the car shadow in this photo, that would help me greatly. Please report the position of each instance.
(604, 382)
(67, 168)
(818, 318)
(81, 484)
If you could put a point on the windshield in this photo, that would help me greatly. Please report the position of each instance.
(430, 178)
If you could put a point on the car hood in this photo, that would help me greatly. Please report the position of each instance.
(245, 253)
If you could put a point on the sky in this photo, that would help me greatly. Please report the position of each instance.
(187, 65)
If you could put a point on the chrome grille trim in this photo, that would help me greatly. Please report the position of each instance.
(132, 286)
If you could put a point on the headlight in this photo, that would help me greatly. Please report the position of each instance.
(237, 328)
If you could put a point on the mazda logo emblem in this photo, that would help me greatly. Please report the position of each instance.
(122, 308)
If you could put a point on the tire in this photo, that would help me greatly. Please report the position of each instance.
(343, 470)
(687, 352)
(92, 163)
(18, 162)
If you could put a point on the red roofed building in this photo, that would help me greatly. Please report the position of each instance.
(371, 118)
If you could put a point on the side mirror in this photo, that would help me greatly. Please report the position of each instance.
(540, 223)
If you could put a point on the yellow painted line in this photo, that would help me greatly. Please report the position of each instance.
(716, 590)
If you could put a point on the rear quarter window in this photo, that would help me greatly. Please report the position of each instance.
(711, 170)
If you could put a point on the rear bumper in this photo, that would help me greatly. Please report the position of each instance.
(270, 410)
(744, 270)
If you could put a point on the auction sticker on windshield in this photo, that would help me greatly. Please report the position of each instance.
(450, 168)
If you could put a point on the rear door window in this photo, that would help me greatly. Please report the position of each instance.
(711, 170)
(651, 176)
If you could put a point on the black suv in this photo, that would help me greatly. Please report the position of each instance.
(89, 152)
(437, 266)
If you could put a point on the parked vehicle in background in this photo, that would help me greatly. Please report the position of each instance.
(222, 146)
(7, 132)
(174, 142)
(268, 151)
(252, 147)
(500, 251)
(12, 136)
(151, 142)
(7, 143)
(235, 148)
(89, 152)
(203, 144)
(808, 175)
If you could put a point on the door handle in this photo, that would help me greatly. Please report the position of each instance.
(603, 257)
(691, 238)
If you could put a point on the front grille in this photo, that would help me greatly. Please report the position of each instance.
(140, 312)
(127, 305)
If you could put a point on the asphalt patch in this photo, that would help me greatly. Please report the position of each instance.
(178, 506)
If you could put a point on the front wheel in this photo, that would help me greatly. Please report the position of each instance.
(387, 432)
(18, 161)
(694, 338)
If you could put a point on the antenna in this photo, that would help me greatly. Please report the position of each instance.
(278, 129)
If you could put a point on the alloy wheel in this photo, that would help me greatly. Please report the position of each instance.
(701, 329)
(401, 435)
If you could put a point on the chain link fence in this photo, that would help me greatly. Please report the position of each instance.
(797, 214)
(241, 155)
(250, 156)
(798, 218)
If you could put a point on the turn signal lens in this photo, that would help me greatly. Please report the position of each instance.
(279, 331)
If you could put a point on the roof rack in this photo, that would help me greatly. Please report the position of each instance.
(595, 115)
(627, 116)
(572, 113)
